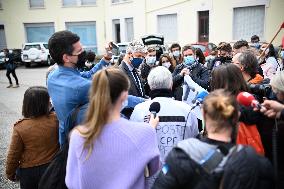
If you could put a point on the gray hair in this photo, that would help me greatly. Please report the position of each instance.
(160, 78)
(136, 46)
(277, 81)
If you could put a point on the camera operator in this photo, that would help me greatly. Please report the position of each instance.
(248, 64)
(191, 67)
(224, 56)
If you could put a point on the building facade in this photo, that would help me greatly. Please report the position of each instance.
(99, 21)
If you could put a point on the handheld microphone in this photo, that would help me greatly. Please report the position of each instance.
(199, 99)
(155, 108)
(247, 99)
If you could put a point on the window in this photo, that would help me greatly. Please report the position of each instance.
(248, 21)
(87, 33)
(36, 3)
(118, 1)
(78, 2)
(167, 26)
(116, 30)
(39, 32)
(129, 31)
(69, 2)
(88, 2)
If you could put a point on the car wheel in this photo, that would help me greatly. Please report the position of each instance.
(28, 64)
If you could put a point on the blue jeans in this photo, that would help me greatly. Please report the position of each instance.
(30, 177)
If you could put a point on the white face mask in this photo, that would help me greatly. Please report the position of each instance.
(266, 52)
(166, 64)
(176, 53)
(151, 60)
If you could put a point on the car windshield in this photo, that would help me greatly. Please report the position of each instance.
(27, 47)
(200, 46)
(45, 45)
(122, 48)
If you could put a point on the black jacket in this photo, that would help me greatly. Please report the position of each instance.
(184, 173)
(198, 73)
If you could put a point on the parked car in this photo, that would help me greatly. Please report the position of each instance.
(205, 47)
(36, 53)
(17, 57)
(118, 51)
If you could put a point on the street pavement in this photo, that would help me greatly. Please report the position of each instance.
(11, 100)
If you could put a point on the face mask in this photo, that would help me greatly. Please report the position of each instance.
(256, 45)
(166, 64)
(151, 60)
(136, 62)
(176, 53)
(282, 54)
(266, 52)
(188, 60)
(81, 60)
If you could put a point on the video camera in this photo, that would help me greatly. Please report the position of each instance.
(261, 90)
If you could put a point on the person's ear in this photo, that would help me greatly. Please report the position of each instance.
(65, 58)
(124, 95)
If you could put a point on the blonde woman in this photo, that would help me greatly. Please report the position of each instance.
(109, 151)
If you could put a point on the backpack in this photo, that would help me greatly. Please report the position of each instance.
(236, 168)
(54, 175)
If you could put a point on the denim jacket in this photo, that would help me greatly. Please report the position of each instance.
(96, 68)
(67, 89)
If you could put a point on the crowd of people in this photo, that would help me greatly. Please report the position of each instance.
(127, 125)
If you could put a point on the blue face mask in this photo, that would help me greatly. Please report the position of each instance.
(189, 60)
(282, 54)
(256, 45)
(136, 62)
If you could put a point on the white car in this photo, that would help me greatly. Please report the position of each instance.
(120, 51)
(35, 53)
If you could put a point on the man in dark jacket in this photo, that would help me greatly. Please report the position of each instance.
(10, 67)
(224, 56)
(191, 67)
(130, 64)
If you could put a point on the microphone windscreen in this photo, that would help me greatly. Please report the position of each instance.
(155, 107)
(245, 98)
(200, 97)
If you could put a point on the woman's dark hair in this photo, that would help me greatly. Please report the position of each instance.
(200, 55)
(223, 46)
(61, 43)
(172, 67)
(229, 77)
(91, 56)
(175, 45)
(36, 102)
(249, 61)
(272, 52)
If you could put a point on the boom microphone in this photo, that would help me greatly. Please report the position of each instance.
(247, 99)
(155, 108)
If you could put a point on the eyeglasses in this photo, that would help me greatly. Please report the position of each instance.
(77, 54)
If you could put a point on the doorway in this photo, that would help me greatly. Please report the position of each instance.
(3, 43)
(203, 26)
(116, 30)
